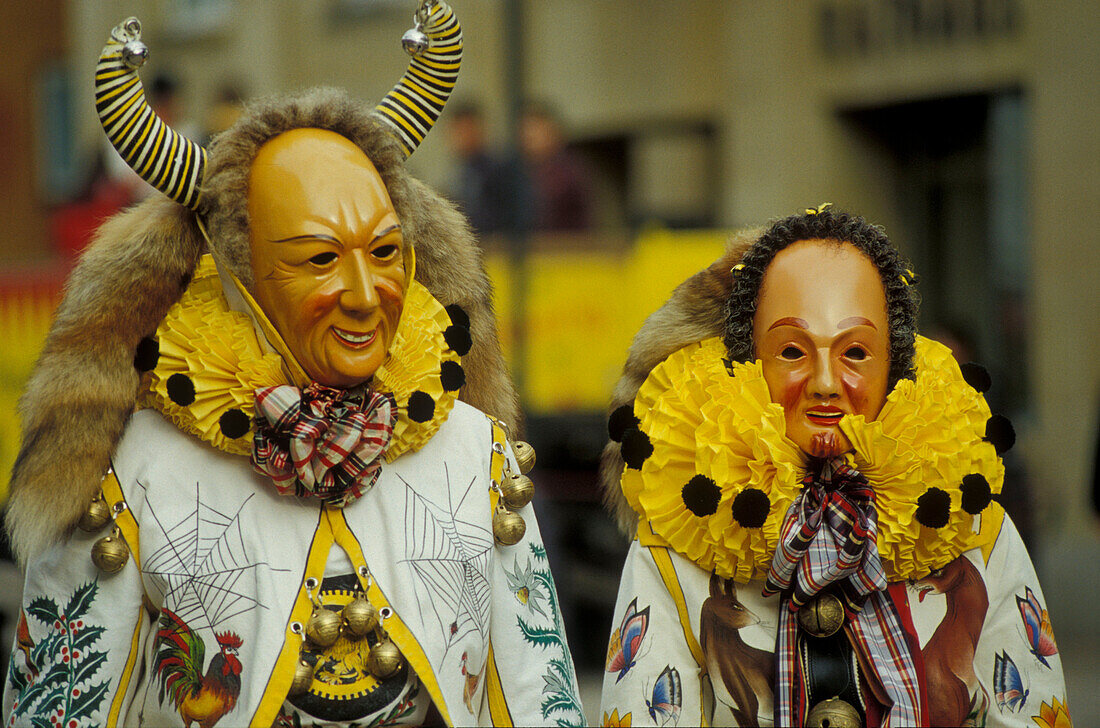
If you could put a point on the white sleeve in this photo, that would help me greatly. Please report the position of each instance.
(77, 639)
(651, 674)
(533, 681)
(1017, 660)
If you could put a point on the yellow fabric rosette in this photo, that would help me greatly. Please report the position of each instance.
(929, 434)
(416, 357)
(701, 420)
(221, 363)
(705, 416)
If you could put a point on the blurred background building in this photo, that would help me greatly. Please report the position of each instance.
(606, 149)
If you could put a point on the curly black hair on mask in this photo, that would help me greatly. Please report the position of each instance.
(897, 280)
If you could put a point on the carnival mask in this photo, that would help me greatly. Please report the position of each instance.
(821, 334)
(327, 254)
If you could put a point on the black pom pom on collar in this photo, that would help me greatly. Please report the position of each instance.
(701, 496)
(750, 508)
(621, 420)
(636, 448)
(934, 508)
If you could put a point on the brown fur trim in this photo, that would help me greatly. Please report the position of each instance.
(696, 310)
(84, 385)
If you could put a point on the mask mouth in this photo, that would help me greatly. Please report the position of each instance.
(825, 416)
(354, 340)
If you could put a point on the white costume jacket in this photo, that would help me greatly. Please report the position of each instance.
(205, 621)
(693, 639)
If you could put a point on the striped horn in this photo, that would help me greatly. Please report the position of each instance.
(162, 157)
(417, 100)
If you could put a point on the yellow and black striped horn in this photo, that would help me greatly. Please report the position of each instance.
(417, 100)
(162, 157)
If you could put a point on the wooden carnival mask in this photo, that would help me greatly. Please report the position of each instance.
(327, 254)
(821, 333)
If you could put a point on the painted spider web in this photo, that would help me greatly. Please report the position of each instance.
(204, 563)
(450, 558)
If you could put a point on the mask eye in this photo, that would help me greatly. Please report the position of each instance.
(384, 252)
(856, 353)
(791, 353)
(323, 258)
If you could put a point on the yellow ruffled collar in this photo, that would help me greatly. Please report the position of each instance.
(708, 433)
(206, 361)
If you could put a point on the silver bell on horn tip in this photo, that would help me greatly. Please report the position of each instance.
(415, 41)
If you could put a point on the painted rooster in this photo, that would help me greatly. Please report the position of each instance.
(201, 699)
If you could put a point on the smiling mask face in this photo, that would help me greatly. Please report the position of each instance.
(327, 254)
(821, 334)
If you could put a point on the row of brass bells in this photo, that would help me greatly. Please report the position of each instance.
(357, 619)
(109, 553)
(515, 492)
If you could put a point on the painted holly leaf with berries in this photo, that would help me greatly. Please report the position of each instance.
(54, 685)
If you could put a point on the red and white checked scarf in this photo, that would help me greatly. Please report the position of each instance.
(321, 442)
(829, 538)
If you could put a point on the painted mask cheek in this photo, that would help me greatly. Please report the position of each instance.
(318, 304)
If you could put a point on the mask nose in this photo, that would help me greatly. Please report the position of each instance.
(358, 293)
(824, 383)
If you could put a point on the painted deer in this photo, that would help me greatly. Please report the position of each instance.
(746, 673)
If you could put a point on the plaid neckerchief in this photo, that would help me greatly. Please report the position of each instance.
(321, 442)
(829, 538)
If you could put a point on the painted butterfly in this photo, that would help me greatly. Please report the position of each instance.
(1040, 636)
(667, 697)
(1007, 683)
(626, 640)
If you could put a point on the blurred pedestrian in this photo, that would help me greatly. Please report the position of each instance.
(560, 181)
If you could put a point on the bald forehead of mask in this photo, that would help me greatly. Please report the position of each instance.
(327, 253)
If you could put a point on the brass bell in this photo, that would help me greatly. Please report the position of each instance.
(822, 616)
(110, 553)
(303, 677)
(508, 527)
(384, 660)
(516, 491)
(360, 617)
(833, 713)
(323, 627)
(525, 456)
(96, 517)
